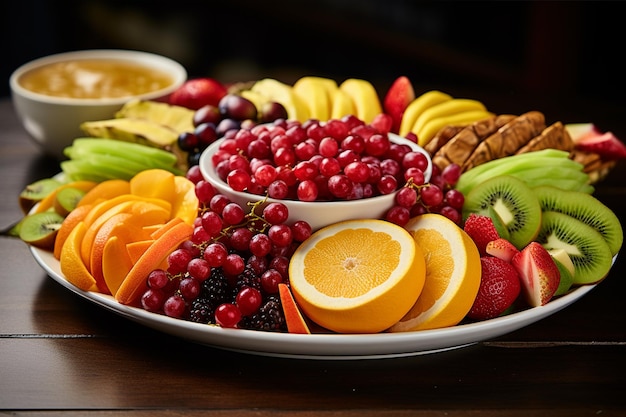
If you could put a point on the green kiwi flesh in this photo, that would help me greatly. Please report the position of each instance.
(513, 201)
(585, 208)
(586, 247)
(566, 281)
(67, 199)
(40, 229)
(35, 192)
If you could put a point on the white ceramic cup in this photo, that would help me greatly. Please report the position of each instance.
(54, 122)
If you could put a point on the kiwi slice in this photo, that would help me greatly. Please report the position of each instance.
(585, 246)
(40, 229)
(35, 192)
(566, 281)
(67, 199)
(566, 269)
(517, 209)
(585, 208)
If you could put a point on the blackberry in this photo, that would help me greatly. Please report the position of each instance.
(269, 318)
(213, 292)
(248, 278)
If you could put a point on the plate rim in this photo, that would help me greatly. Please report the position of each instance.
(320, 346)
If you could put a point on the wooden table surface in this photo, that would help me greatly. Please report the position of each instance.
(62, 355)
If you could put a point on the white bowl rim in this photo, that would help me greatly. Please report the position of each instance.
(178, 72)
(211, 175)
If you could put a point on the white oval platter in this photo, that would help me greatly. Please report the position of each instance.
(320, 346)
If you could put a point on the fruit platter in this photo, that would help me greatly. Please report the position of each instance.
(327, 220)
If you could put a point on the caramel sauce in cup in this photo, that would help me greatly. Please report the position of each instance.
(94, 78)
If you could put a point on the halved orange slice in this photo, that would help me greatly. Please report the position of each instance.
(357, 276)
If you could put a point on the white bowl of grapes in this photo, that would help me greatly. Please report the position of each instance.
(327, 172)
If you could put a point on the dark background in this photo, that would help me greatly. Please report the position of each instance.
(567, 50)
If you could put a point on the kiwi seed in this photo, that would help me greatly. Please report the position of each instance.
(517, 208)
(585, 208)
(35, 192)
(586, 247)
(40, 229)
(67, 199)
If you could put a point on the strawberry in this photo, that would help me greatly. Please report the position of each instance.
(482, 231)
(501, 248)
(539, 273)
(499, 288)
(198, 92)
(398, 97)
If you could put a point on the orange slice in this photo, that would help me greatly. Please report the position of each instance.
(71, 220)
(134, 250)
(48, 201)
(185, 204)
(105, 190)
(452, 274)
(116, 263)
(134, 283)
(94, 224)
(357, 276)
(149, 213)
(151, 210)
(157, 233)
(154, 183)
(103, 206)
(126, 227)
(295, 321)
(72, 266)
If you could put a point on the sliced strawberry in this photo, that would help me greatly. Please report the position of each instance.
(501, 248)
(482, 231)
(607, 145)
(539, 274)
(499, 288)
(398, 97)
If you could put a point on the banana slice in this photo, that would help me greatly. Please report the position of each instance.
(342, 105)
(275, 90)
(365, 98)
(446, 108)
(418, 106)
(431, 128)
(314, 92)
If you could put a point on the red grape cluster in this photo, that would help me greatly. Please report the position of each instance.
(232, 112)
(342, 159)
(436, 196)
(228, 272)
